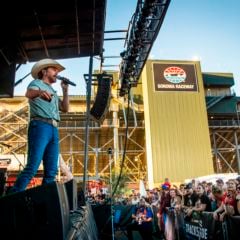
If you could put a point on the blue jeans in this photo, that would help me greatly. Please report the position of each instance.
(43, 145)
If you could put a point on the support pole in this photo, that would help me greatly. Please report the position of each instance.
(215, 151)
(89, 86)
(110, 187)
(115, 138)
(97, 149)
(237, 151)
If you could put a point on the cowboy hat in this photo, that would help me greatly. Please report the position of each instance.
(44, 63)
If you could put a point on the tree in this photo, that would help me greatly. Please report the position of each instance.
(121, 187)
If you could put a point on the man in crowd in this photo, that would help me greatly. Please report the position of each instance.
(142, 221)
(190, 198)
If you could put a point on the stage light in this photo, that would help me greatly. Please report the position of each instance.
(122, 54)
(141, 35)
(147, 10)
(131, 58)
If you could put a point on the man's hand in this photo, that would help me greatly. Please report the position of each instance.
(189, 212)
(215, 215)
(64, 104)
(64, 86)
(45, 95)
(221, 217)
(32, 93)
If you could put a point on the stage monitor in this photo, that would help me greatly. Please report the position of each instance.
(7, 79)
(38, 213)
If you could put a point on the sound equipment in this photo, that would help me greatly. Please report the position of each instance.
(3, 172)
(71, 189)
(80, 195)
(7, 78)
(37, 213)
(102, 216)
(83, 225)
(102, 99)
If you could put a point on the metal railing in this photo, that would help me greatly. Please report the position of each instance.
(224, 123)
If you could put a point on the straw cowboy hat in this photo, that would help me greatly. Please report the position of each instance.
(44, 63)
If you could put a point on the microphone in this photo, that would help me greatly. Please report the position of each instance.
(65, 80)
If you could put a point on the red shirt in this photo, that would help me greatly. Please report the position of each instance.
(230, 199)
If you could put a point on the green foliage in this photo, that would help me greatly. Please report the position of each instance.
(122, 182)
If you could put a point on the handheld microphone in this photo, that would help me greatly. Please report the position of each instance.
(65, 80)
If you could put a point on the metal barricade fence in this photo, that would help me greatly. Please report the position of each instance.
(201, 225)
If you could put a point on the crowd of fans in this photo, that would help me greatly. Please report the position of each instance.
(220, 198)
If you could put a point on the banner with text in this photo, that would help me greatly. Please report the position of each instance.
(175, 77)
(200, 226)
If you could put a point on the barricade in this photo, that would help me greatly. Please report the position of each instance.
(83, 225)
(102, 215)
(200, 226)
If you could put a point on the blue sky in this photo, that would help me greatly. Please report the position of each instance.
(207, 30)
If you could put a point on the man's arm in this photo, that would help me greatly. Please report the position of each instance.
(200, 208)
(34, 93)
(64, 104)
(148, 219)
(149, 215)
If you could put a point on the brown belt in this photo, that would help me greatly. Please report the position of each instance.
(47, 120)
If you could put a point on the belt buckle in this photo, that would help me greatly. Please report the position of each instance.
(54, 123)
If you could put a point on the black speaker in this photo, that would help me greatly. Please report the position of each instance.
(7, 78)
(71, 189)
(37, 213)
(80, 195)
(3, 172)
(102, 216)
(102, 99)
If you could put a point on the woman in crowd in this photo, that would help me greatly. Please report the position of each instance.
(175, 206)
(238, 199)
(217, 197)
(229, 205)
(203, 202)
(163, 205)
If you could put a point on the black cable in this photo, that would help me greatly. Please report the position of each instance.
(125, 144)
(21, 79)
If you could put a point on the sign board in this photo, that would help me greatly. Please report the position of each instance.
(175, 77)
(201, 226)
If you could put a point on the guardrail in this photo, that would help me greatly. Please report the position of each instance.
(224, 123)
(200, 226)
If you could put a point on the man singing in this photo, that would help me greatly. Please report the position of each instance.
(43, 139)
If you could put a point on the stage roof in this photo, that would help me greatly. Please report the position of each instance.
(49, 28)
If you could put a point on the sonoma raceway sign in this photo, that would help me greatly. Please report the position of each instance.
(175, 77)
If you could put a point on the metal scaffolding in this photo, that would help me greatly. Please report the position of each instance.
(224, 136)
(109, 134)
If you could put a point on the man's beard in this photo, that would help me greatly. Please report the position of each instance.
(52, 79)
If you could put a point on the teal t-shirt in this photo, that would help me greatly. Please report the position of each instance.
(40, 107)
